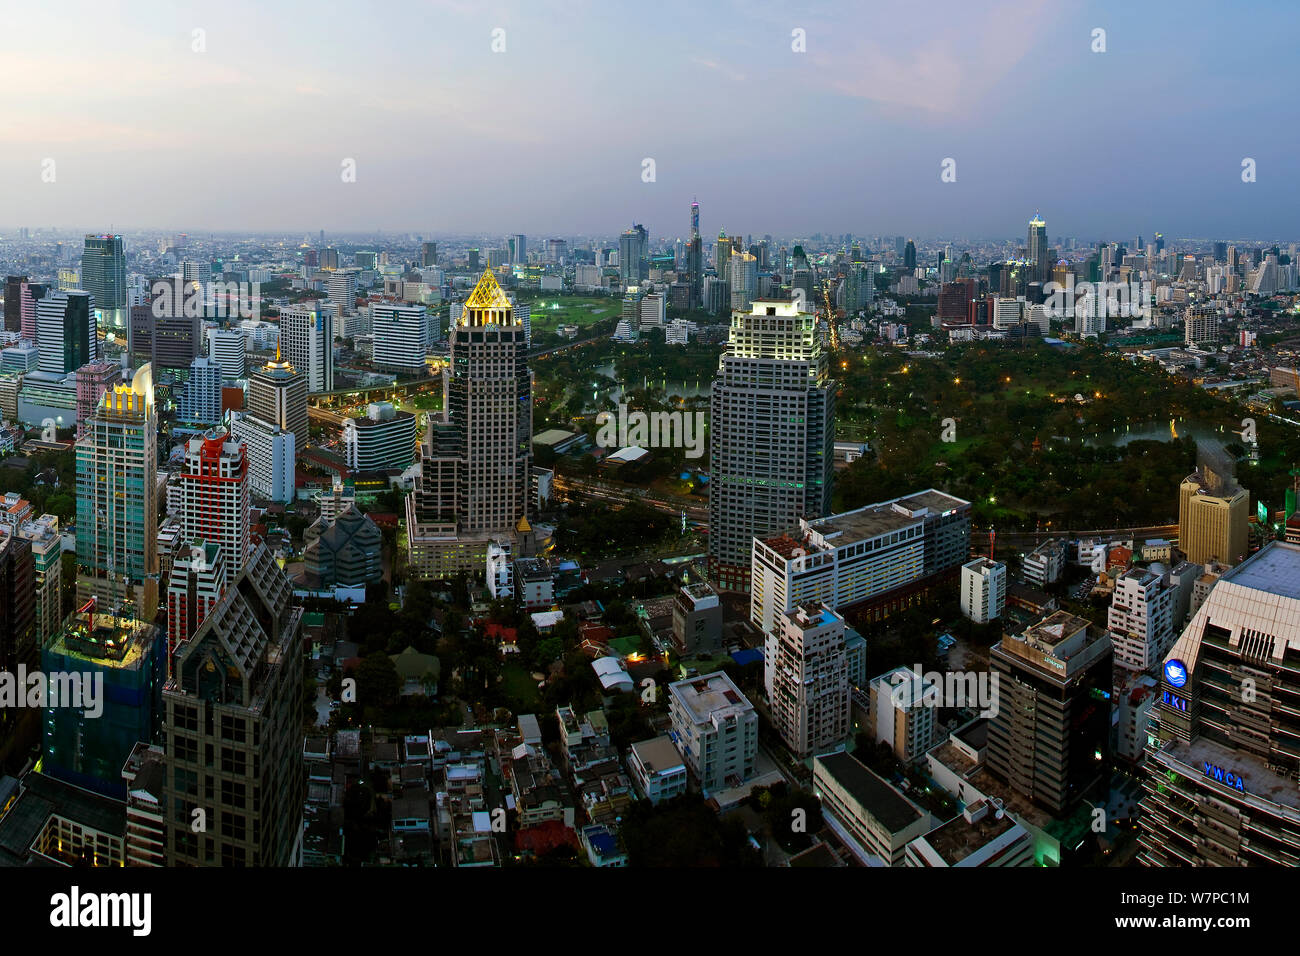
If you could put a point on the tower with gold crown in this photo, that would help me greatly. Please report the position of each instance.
(476, 462)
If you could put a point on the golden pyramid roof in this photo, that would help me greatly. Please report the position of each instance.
(523, 527)
(487, 294)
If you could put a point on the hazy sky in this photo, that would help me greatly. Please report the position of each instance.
(549, 136)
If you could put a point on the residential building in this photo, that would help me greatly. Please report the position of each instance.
(901, 714)
(697, 620)
(382, 440)
(807, 677)
(657, 769)
(983, 590)
(270, 452)
(716, 730)
(117, 492)
(215, 496)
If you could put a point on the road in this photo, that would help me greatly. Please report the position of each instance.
(571, 488)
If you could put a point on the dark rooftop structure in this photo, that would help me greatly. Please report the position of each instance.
(880, 799)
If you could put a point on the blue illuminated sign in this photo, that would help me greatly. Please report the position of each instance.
(1176, 672)
(1225, 777)
(1178, 703)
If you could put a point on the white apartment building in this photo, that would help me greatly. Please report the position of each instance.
(1045, 564)
(270, 452)
(401, 337)
(807, 676)
(899, 714)
(716, 730)
(307, 343)
(657, 769)
(983, 590)
(199, 401)
(229, 349)
(1140, 618)
(500, 571)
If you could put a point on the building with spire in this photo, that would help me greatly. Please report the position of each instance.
(277, 394)
(475, 464)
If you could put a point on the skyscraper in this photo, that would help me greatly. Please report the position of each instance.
(909, 256)
(117, 511)
(65, 323)
(103, 275)
(93, 380)
(401, 336)
(233, 719)
(307, 335)
(277, 394)
(15, 287)
(631, 256)
(199, 402)
(695, 260)
(18, 622)
(475, 466)
(771, 438)
(215, 496)
(1222, 763)
(1037, 246)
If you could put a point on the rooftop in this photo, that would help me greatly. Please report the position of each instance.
(710, 696)
(958, 838)
(881, 800)
(886, 516)
(1274, 569)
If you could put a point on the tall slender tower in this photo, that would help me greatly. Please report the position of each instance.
(1037, 245)
(117, 500)
(772, 439)
(695, 260)
(476, 467)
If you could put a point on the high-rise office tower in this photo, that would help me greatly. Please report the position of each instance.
(229, 349)
(631, 256)
(18, 629)
(15, 286)
(1213, 517)
(743, 274)
(909, 256)
(807, 676)
(199, 401)
(307, 335)
(93, 380)
(429, 254)
(214, 496)
(117, 492)
(1050, 737)
(1037, 245)
(1222, 763)
(341, 290)
(233, 726)
(1141, 617)
(277, 394)
(103, 276)
(722, 256)
(65, 329)
(771, 438)
(329, 258)
(519, 250)
(475, 483)
(695, 260)
(401, 338)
